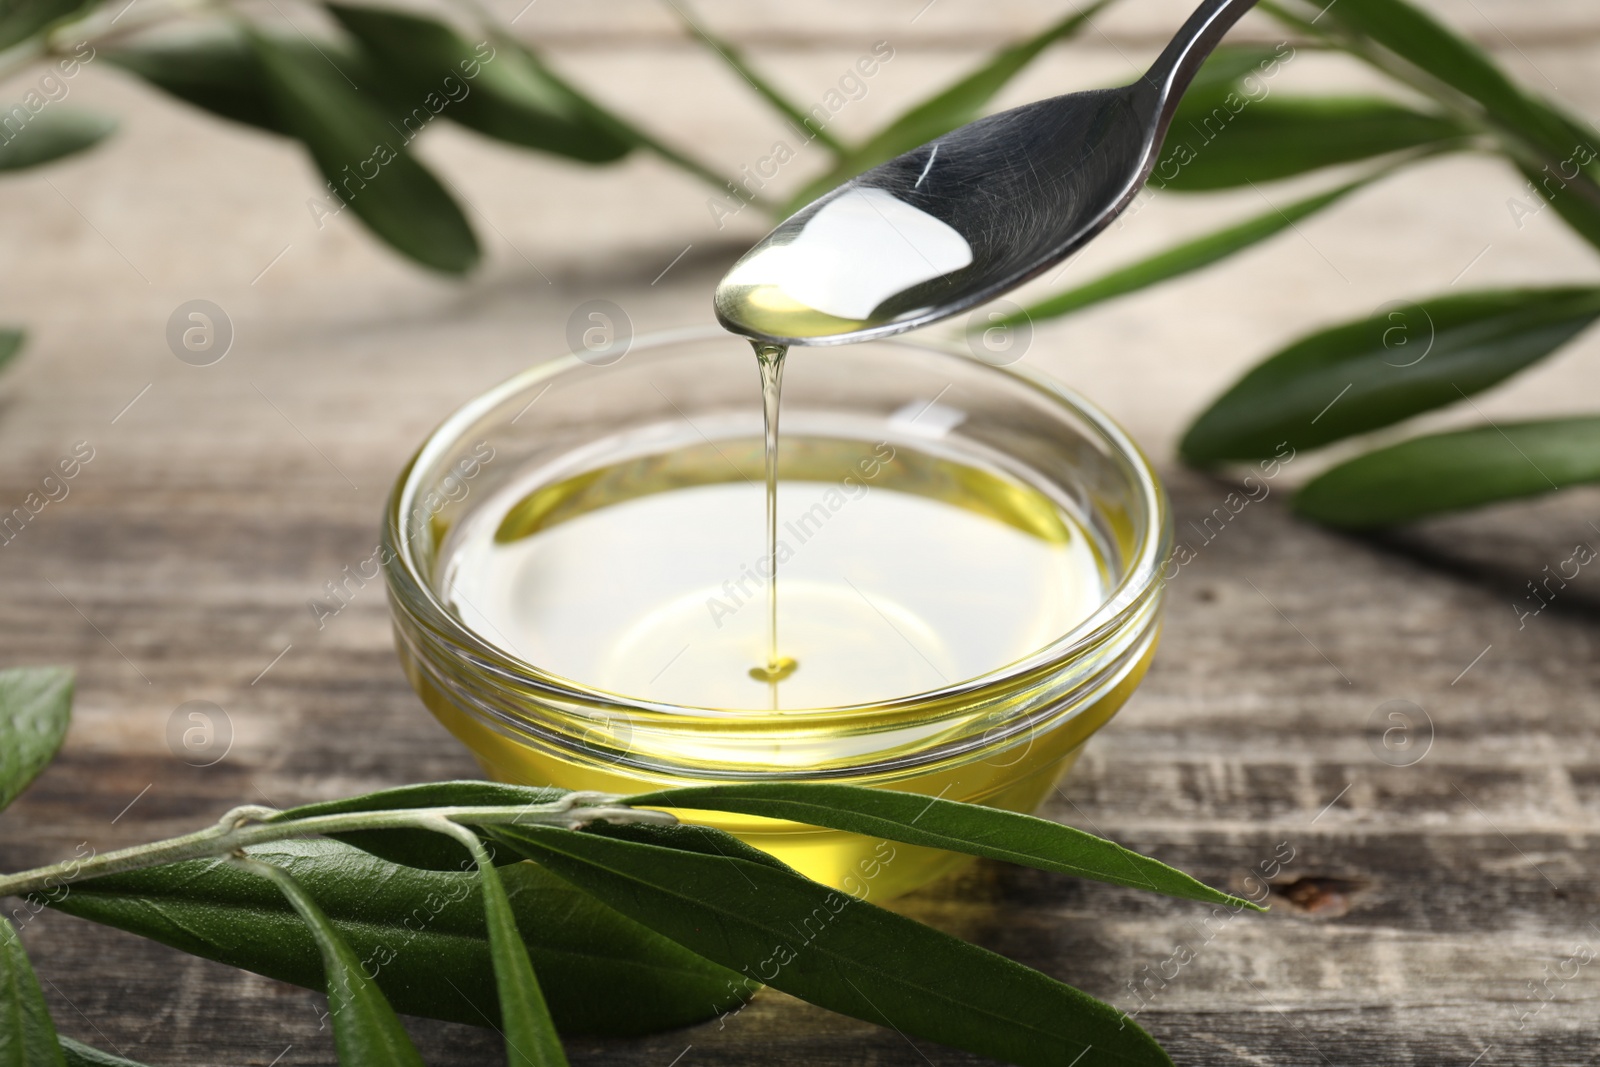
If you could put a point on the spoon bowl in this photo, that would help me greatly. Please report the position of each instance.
(964, 218)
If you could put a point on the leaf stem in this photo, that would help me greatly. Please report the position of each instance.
(1511, 141)
(255, 825)
(619, 126)
(763, 88)
(98, 26)
(650, 142)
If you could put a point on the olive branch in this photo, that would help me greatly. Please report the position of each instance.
(622, 912)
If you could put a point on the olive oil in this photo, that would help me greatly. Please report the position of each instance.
(904, 568)
(769, 359)
(901, 571)
(877, 598)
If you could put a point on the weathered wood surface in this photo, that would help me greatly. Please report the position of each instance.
(224, 497)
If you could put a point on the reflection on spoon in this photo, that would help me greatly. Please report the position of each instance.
(857, 250)
(972, 214)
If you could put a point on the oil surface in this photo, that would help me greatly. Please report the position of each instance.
(901, 571)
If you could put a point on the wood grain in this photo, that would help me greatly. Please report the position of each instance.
(1422, 901)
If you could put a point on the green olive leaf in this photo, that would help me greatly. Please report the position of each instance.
(1408, 31)
(609, 121)
(423, 932)
(10, 345)
(750, 912)
(944, 824)
(530, 1034)
(1578, 212)
(1453, 471)
(1189, 256)
(212, 65)
(1428, 44)
(461, 792)
(27, 1036)
(425, 849)
(1379, 370)
(213, 68)
(21, 19)
(487, 87)
(364, 159)
(956, 105)
(78, 1054)
(52, 134)
(366, 1031)
(35, 710)
(1233, 141)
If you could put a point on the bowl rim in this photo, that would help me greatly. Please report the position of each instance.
(1141, 577)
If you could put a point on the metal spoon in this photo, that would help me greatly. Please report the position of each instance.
(966, 217)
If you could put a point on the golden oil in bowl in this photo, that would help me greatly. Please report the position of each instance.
(967, 583)
(900, 572)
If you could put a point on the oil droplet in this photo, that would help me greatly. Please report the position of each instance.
(776, 671)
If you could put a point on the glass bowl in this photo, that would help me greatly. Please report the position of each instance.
(1003, 738)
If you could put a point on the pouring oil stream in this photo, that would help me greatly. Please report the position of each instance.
(769, 360)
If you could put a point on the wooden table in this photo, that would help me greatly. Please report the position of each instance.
(1421, 902)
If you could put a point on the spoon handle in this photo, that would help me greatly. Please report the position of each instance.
(1178, 63)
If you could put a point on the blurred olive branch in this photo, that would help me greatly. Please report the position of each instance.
(356, 96)
(1410, 357)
